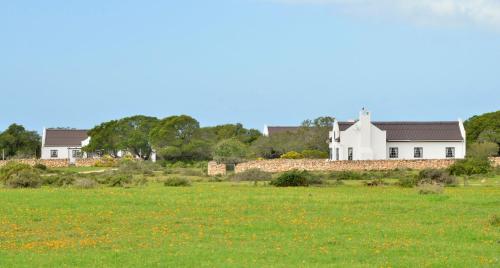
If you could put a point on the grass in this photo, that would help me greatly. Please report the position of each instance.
(227, 224)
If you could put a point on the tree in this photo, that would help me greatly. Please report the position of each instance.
(16, 141)
(230, 151)
(228, 131)
(482, 149)
(180, 138)
(134, 132)
(485, 127)
(127, 134)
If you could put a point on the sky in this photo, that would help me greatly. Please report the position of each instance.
(257, 62)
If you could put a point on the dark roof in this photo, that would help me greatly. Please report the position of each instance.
(417, 131)
(65, 137)
(274, 130)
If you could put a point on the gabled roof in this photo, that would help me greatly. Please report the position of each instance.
(416, 131)
(280, 129)
(64, 137)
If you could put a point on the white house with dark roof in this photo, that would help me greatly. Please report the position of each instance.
(367, 140)
(64, 143)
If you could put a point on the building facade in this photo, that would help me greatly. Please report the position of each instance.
(367, 140)
(64, 144)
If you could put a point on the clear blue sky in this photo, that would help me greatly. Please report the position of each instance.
(79, 63)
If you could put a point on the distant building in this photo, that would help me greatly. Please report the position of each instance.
(367, 140)
(64, 143)
(271, 130)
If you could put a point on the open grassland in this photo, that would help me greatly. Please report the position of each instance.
(238, 224)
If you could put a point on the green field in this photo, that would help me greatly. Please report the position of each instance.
(238, 224)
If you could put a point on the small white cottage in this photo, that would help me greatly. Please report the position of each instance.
(64, 143)
(367, 140)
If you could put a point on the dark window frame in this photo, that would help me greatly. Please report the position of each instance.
(418, 152)
(350, 153)
(54, 153)
(393, 152)
(450, 152)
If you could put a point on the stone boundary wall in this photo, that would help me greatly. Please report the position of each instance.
(281, 165)
(216, 169)
(53, 163)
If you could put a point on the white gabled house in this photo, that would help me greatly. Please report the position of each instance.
(367, 140)
(64, 143)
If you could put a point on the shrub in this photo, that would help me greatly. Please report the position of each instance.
(436, 176)
(314, 154)
(137, 167)
(84, 183)
(292, 155)
(375, 182)
(40, 166)
(139, 181)
(408, 182)
(59, 180)
(430, 188)
(346, 175)
(119, 180)
(10, 169)
(177, 181)
(495, 220)
(106, 161)
(470, 166)
(253, 174)
(26, 178)
(291, 179)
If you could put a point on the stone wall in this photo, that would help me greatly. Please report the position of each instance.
(281, 165)
(216, 169)
(55, 163)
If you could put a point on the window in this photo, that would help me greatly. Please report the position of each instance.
(330, 154)
(337, 153)
(76, 153)
(53, 153)
(418, 152)
(349, 153)
(393, 152)
(450, 152)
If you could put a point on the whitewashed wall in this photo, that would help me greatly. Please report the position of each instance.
(432, 150)
(62, 152)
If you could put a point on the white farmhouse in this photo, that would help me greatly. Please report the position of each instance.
(367, 140)
(64, 143)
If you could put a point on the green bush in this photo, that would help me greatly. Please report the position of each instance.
(314, 154)
(26, 178)
(106, 161)
(430, 188)
(495, 220)
(346, 175)
(119, 180)
(253, 174)
(63, 179)
(128, 166)
(85, 183)
(292, 155)
(375, 182)
(40, 166)
(408, 182)
(177, 181)
(292, 178)
(12, 168)
(436, 176)
(471, 166)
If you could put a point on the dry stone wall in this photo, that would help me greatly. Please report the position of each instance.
(216, 169)
(53, 163)
(281, 165)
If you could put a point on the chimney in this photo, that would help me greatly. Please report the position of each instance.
(366, 134)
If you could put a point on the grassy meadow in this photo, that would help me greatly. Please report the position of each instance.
(240, 224)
